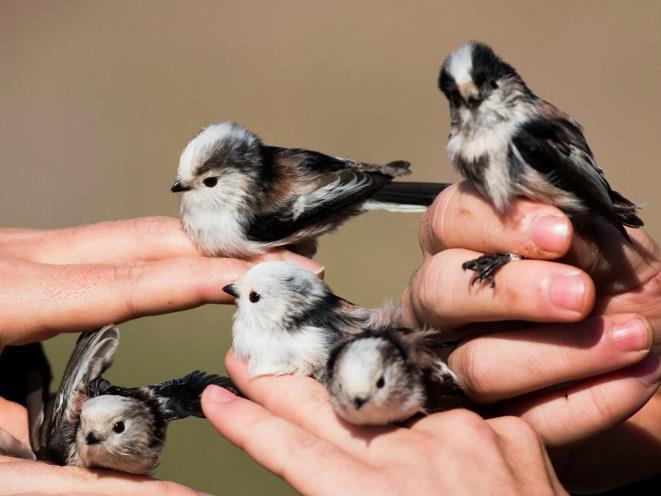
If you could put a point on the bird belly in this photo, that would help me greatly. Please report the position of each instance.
(271, 350)
(482, 159)
(219, 233)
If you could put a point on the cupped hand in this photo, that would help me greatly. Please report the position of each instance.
(571, 379)
(81, 278)
(291, 429)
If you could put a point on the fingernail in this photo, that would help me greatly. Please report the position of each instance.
(649, 370)
(551, 233)
(307, 263)
(567, 291)
(218, 395)
(630, 336)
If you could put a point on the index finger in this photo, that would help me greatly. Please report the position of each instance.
(117, 241)
(462, 218)
(311, 464)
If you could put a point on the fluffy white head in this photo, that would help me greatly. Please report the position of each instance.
(216, 175)
(271, 326)
(371, 383)
(272, 293)
(207, 143)
(119, 433)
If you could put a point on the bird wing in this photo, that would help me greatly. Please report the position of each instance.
(177, 398)
(558, 150)
(324, 191)
(91, 356)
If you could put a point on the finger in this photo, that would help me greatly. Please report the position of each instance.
(462, 218)
(507, 364)
(303, 402)
(577, 412)
(526, 455)
(29, 477)
(441, 292)
(615, 264)
(117, 241)
(310, 464)
(14, 419)
(48, 299)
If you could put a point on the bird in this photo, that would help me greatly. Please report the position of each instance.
(388, 375)
(287, 320)
(242, 198)
(508, 142)
(93, 423)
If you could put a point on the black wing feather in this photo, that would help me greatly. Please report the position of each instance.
(174, 399)
(557, 149)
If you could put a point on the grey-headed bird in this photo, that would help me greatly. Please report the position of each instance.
(92, 423)
(241, 198)
(287, 320)
(509, 142)
(388, 375)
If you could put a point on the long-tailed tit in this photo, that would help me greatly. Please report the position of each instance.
(242, 198)
(92, 423)
(287, 320)
(388, 375)
(509, 142)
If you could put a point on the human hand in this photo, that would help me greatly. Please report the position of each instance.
(293, 431)
(46, 479)
(571, 380)
(81, 278)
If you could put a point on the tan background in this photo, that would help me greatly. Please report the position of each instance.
(98, 98)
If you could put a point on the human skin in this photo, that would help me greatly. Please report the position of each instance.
(600, 370)
(80, 278)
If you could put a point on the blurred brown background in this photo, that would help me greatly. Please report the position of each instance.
(97, 100)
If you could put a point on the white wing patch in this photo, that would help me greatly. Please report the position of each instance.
(328, 193)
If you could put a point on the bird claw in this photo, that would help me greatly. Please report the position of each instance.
(486, 266)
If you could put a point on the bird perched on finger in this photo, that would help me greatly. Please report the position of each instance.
(92, 423)
(388, 375)
(241, 198)
(509, 142)
(287, 320)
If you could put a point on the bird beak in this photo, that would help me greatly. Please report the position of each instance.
(359, 401)
(92, 438)
(470, 94)
(230, 289)
(179, 186)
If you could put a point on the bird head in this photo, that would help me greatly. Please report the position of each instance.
(217, 164)
(371, 382)
(273, 295)
(119, 433)
(473, 74)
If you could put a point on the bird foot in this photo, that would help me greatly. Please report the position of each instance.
(486, 266)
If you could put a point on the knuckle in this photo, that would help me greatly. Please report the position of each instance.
(602, 405)
(426, 285)
(474, 367)
(517, 427)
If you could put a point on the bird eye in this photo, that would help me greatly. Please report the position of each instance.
(381, 382)
(210, 182)
(254, 297)
(118, 427)
(493, 84)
